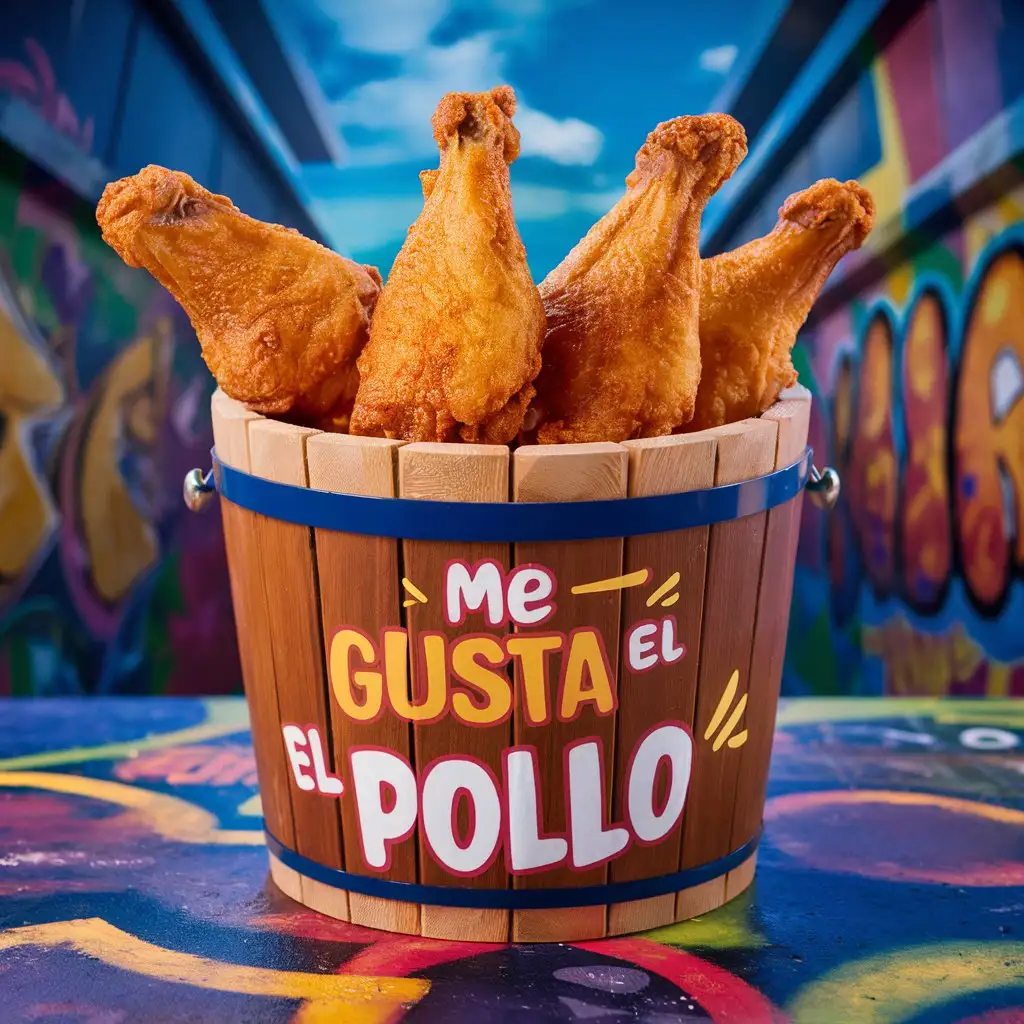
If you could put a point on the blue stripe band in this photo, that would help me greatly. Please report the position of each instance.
(465, 895)
(509, 522)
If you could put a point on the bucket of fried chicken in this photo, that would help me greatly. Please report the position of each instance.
(511, 565)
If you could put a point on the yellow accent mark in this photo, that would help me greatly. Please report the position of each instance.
(669, 601)
(409, 603)
(723, 705)
(168, 816)
(672, 581)
(737, 741)
(357, 999)
(631, 579)
(414, 590)
(729, 727)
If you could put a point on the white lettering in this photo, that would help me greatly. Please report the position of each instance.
(378, 829)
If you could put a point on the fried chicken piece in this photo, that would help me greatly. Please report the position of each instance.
(280, 318)
(755, 299)
(621, 354)
(455, 340)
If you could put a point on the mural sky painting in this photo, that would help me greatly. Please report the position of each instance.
(592, 80)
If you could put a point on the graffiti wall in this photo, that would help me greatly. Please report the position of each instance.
(106, 584)
(915, 355)
(915, 584)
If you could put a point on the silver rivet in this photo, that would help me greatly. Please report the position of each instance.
(824, 487)
(197, 490)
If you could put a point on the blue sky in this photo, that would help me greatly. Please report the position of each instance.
(592, 79)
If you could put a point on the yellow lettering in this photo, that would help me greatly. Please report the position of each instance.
(343, 678)
(532, 652)
(495, 687)
(396, 651)
(586, 662)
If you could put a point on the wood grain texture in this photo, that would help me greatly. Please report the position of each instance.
(471, 473)
(702, 899)
(792, 416)
(359, 586)
(739, 878)
(286, 879)
(230, 432)
(277, 452)
(569, 473)
(745, 450)
(660, 465)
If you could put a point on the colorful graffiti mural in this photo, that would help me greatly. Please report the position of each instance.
(134, 886)
(923, 414)
(105, 585)
(915, 355)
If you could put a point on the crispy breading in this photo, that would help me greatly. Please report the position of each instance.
(279, 317)
(455, 340)
(621, 353)
(755, 299)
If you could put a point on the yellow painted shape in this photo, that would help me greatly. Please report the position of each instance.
(986, 711)
(730, 726)
(415, 591)
(121, 542)
(168, 816)
(728, 927)
(28, 385)
(28, 388)
(724, 704)
(224, 716)
(672, 581)
(998, 679)
(669, 601)
(738, 740)
(253, 807)
(913, 980)
(893, 798)
(631, 579)
(355, 999)
(889, 179)
(899, 283)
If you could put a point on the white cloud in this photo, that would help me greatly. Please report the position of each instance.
(385, 26)
(399, 108)
(719, 58)
(569, 141)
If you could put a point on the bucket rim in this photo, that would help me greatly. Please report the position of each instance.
(509, 522)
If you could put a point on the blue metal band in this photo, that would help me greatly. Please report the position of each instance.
(464, 895)
(505, 523)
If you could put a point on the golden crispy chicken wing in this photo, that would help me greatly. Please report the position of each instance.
(755, 299)
(455, 340)
(280, 318)
(621, 354)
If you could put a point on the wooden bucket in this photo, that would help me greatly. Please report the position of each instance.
(580, 747)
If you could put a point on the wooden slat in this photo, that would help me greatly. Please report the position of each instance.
(230, 433)
(659, 465)
(569, 473)
(745, 450)
(359, 586)
(277, 452)
(472, 473)
(792, 415)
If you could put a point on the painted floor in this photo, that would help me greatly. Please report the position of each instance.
(133, 887)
